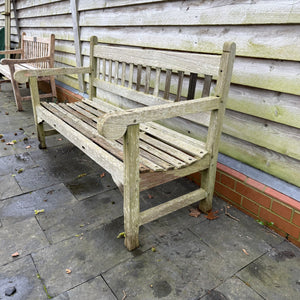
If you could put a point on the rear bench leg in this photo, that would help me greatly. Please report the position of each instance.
(208, 183)
(35, 98)
(131, 187)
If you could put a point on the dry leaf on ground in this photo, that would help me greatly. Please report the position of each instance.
(212, 215)
(68, 271)
(194, 212)
(16, 254)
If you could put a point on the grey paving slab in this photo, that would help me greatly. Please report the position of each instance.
(14, 163)
(82, 216)
(86, 256)
(51, 199)
(23, 276)
(91, 184)
(22, 237)
(275, 275)
(35, 178)
(21, 143)
(8, 187)
(232, 289)
(182, 267)
(95, 289)
(239, 242)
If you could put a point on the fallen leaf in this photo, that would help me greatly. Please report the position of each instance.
(7, 113)
(16, 254)
(38, 211)
(244, 250)
(81, 175)
(60, 139)
(10, 143)
(20, 128)
(121, 235)
(194, 212)
(2, 140)
(102, 175)
(153, 249)
(15, 133)
(20, 170)
(212, 215)
(1, 136)
(150, 196)
(68, 271)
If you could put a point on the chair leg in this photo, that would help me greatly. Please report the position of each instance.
(131, 187)
(53, 88)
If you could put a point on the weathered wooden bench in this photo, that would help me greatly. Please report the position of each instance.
(35, 52)
(138, 152)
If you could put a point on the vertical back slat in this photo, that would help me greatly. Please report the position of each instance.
(192, 86)
(206, 86)
(138, 77)
(157, 82)
(104, 69)
(93, 63)
(123, 73)
(130, 76)
(116, 72)
(179, 86)
(168, 84)
(109, 70)
(148, 75)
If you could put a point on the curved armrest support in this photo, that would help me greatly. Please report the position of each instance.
(23, 75)
(114, 125)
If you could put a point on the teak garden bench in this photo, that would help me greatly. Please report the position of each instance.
(35, 53)
(138, 152)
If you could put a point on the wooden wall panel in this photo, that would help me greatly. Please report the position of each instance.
(262, 123)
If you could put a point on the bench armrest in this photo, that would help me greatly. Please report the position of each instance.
(16, 51)
(23, 75)
(12, 61)
(114, 125)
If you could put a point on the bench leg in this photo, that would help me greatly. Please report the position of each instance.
(16, 90)
(131, 187)
(35, 99)
(53, 88)
(208, 184)
(41, 135)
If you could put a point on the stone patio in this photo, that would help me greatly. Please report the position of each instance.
(194, 258)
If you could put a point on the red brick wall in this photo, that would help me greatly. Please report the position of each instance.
(259, 201)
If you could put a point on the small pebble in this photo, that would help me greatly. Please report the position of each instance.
(10, 291)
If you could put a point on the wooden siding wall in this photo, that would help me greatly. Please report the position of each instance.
(262, 124)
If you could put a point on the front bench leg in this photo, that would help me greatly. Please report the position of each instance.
(131, 187)
(35, 98)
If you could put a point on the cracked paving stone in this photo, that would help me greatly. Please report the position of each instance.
(275, 274)
(86, 256)
(24, 206)
(22, 237)
(22, 275)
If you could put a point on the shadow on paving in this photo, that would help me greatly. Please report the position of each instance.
(60, 211)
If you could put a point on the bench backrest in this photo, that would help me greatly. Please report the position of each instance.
(37, 47)
(170, 75)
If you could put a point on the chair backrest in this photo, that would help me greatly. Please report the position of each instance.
(37, 47)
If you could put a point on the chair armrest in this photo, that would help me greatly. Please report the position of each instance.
(9, 61)
(114, 125)
(15, 51)
(23, 75)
